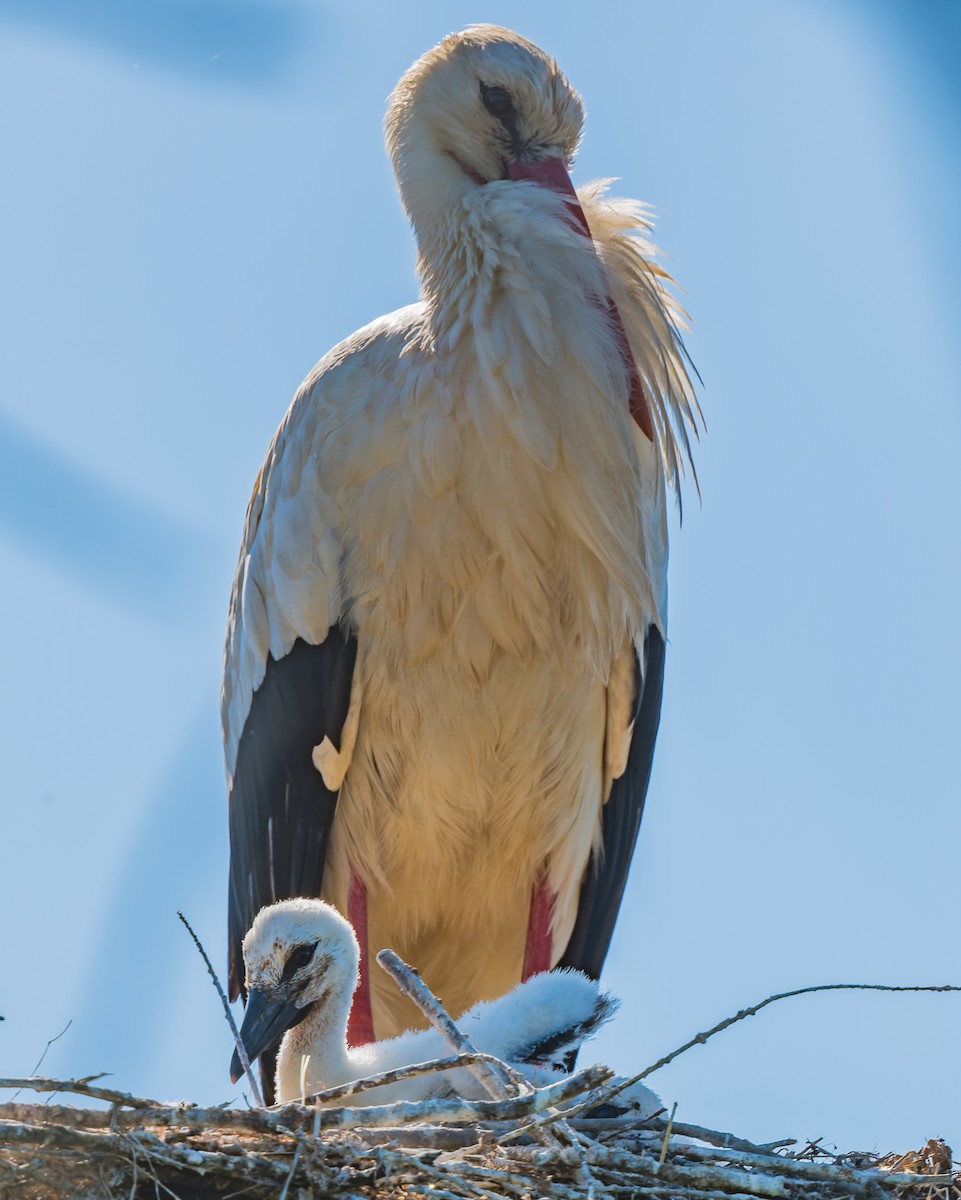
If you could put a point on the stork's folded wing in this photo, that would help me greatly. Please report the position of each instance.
(288, 671)
(606, 875)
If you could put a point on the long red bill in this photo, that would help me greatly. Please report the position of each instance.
(552, 173)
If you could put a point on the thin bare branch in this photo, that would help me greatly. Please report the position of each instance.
(495, 1082)
(37, 1065)
(344, 1090)
(293, 1169)
(238, 1041)
(699, 1039)
(79, 1087)
(667, 1133)
(713, 1136)
(442, 1109)
(497, 1078)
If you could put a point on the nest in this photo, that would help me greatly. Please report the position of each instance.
(564, 1142)
(578, 1138)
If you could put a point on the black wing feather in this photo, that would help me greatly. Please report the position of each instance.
(606, 874)
(559, 1045)
(280, 810)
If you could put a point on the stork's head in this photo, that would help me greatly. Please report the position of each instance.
(485, 104)
(299, 955)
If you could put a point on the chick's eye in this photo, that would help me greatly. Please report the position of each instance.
(299, 957)
(497, 101)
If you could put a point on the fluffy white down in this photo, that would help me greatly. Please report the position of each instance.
(504, 1027)
(461, 483)
(314, 1054)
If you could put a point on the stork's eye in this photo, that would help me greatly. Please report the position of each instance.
(299, 957)
(497, 101)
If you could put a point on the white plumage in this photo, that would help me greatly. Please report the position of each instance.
(458, 491)
(315, 999)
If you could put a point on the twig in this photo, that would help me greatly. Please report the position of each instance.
(241, 1048)
(699, 1039)
(667, 1133)
(294, 1117)
(57, 1038)
(293, 1167)
(497, 1080)
(699, 1175)
(79, 1087)
(214, 1117)
(501, 1177)
(440, 1109)
(442, 1138)
(493, 1081)
(802, 1168)
(715, 1137)
(38, 1063)
(342, 1091)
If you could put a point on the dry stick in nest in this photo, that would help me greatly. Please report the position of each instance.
(503, 1082)
(726, 1165)
(84, 1087)
(702, 1179)
(39, 1062)
(295, 1116)
(396, 1074)
(713, 1174)
(241, 1048)
(80, 1087)
(496, 1083)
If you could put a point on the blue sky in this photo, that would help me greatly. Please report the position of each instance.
(196, 205)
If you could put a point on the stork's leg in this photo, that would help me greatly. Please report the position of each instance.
(540, 921)
(360, 1026)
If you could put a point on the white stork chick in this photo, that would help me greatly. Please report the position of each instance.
(302, 960)
(445, 648)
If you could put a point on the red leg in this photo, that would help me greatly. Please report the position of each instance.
(360, 1026)
(540, 942)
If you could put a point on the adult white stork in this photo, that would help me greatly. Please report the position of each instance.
(445, 647)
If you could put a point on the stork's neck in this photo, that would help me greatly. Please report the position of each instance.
(436, 195)
(505, 248)
(322, 1039)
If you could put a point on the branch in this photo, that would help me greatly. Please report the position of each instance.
(497, 1078)
(290, 1116)
(465, 1110)
(495, 1082)
(80, 1087)
(38, 1063)
(715, 1137)
(699, 1039)
(803, 1168)
(238, 1041)
(342, 1091)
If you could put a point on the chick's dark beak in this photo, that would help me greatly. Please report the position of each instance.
(266, 1020)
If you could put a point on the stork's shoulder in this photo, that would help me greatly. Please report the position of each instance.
(288, 582)
(374, 351)
(357, 375)
(363, 372)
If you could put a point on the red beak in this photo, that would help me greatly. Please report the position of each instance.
(552, 173)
